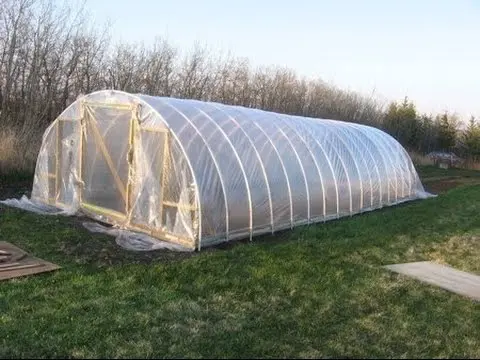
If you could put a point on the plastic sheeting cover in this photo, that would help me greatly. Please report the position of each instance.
(198, 173)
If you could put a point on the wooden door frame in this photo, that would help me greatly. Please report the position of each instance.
(88, 121)
(125, 218)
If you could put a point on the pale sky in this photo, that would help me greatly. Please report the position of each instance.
(425, 49)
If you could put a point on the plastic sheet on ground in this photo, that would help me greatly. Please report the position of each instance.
(134, 241)
(421, 195)
(38, 208)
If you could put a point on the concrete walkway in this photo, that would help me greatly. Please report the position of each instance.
(446, 277)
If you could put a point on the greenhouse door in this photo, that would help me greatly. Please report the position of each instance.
(153, 149)
(107, 155)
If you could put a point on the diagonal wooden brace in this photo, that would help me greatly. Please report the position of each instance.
(99, 139)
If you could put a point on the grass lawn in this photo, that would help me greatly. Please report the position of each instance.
(319, 291)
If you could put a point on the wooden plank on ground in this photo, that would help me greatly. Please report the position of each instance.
(19, 263)
(446, 277)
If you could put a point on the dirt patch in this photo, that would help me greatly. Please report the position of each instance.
(442, 186)
(439, 187)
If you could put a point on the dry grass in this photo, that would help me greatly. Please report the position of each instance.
(471, 165)
(461, 251)
(420, 159)
(18, 150)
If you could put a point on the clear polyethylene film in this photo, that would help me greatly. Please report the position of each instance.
(199, 173)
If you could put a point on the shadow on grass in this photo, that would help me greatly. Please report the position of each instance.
(15, 184)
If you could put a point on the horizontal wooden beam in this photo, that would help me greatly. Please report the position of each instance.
(180, 206)
(118, 106)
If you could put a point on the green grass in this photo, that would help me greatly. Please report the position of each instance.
(319, 291)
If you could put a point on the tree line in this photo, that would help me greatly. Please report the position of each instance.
(424, 133)
(51, 53)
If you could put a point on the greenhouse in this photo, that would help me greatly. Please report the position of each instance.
(200, 173)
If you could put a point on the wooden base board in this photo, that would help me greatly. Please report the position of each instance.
(16, 263)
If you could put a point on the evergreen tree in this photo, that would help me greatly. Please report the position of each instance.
(402, 122)
(447, 131)
(471, 139)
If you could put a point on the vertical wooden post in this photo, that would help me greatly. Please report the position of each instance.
(58, 159)
(131, 162)
(81, 150)
(165, 173)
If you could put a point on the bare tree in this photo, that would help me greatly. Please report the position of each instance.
(159, 69)
(50, 52)
(194, 74)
